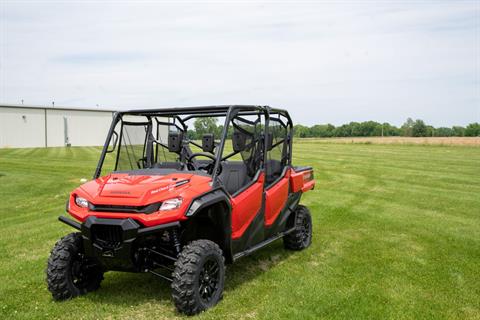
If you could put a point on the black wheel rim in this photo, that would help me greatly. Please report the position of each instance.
(306, 226)
(80, 271)
(208, 280)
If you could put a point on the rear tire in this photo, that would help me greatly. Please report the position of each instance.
(198, 277)
(301, 237)
(69, 272)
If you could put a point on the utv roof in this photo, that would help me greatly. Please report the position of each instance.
(204, 110)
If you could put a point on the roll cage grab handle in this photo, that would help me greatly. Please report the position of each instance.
(231, 112)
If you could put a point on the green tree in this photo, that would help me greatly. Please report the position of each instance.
(192, 135)
(205, 125)
(443, 132)
(300, 131)
(407, 128)
(419, 129)
(389, 130)
(458, 131)
(472, 130)
(321, 130)
(431, 132)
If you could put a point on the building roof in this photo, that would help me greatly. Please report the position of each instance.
(24, 106)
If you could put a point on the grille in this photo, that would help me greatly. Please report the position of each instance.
(129, 209)
(108, 237)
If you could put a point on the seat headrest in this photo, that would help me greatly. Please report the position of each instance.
(208, 142)
(239, 141)
(175, 141)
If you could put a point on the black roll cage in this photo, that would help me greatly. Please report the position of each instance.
(227, 111)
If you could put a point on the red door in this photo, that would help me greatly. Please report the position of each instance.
(276, 198)
(245, 207)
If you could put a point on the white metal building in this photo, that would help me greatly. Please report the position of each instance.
(24, 126)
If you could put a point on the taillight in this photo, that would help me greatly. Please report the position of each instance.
(307, 176)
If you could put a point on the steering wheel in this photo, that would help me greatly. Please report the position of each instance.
(141, 162)
(209, 167)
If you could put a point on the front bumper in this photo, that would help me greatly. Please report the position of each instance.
(114, 242)
(110, 241)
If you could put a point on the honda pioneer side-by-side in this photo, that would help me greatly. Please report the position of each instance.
(180, 197)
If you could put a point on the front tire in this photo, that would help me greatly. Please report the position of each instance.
(198, 277)
(301, 237)
(69, 272)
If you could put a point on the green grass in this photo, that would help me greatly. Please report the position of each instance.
(396, 235)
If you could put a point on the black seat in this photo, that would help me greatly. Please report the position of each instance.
(274, 169)
(234, 176)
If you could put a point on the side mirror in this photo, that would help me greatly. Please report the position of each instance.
(111, 147)
(175, 142)
(208, 142)
(238, 141)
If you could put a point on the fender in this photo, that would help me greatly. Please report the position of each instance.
(207, 199)
(211, 198)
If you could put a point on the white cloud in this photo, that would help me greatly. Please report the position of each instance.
(324, 62)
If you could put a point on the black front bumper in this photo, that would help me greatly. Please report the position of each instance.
(111, 241)
(114, 242)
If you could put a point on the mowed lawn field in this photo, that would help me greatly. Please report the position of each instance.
(396, 236)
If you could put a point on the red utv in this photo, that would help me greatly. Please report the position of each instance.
(180, 208)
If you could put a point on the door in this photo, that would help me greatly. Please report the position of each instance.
(277, 177)
(247, 207)
(243, 178)
(276, 198)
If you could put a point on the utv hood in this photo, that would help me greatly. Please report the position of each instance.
(140, 189)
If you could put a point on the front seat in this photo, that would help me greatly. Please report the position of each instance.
(234, 176)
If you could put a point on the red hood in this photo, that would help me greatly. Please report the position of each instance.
(126, 189)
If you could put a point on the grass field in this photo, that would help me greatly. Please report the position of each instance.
(396, 236)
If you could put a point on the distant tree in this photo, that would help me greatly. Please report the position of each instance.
(218, 132)
(443, 132)
(369, 129)
(458, 131)
(410, 128)
(191, 134)
(419, 129)
(321, 130)
(205, 125)
(300, 131)
(430, 131)
(473, 130)
(389, 130)
(354, 128)
(343, 131)
(407, 128)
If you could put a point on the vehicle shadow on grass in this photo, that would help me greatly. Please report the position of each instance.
(130, 289)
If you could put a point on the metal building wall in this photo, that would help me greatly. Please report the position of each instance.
(30, 127)
(85, 128)
(22, 127)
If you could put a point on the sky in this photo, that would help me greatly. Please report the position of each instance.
(325, 62)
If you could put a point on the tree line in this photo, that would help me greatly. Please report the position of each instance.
(411, 128)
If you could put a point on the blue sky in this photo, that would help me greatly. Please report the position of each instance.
(324, 61)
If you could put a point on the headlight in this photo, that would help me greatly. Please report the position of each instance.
(81, 202)
(171, 204)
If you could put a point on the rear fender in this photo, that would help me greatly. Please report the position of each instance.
(302, 179)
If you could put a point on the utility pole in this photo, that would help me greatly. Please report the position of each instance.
(382, 129)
